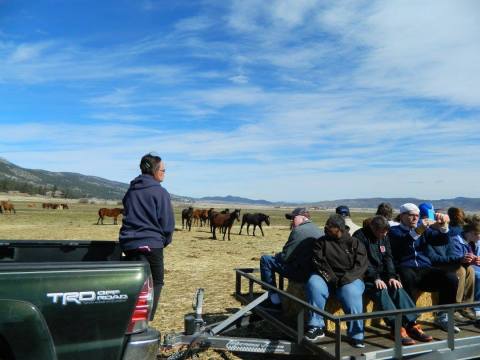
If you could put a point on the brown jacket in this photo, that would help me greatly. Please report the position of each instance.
(339, 261)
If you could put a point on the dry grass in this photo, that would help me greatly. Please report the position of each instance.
(193, 260)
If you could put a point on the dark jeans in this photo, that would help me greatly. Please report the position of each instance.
(269, 265)
(155, 259)
(391, 299)
(431, 280)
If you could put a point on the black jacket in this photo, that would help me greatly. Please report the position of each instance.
(380, 259)
(339, 261)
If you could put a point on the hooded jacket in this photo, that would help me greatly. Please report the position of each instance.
(148, 218)
(339, 261)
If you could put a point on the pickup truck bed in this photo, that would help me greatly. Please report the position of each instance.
(71, 300)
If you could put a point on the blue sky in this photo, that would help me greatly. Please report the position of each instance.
(296, 100)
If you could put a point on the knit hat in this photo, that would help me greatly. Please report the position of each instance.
(426, 211)
(409, 207)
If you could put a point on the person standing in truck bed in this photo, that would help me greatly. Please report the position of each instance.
(148, 220)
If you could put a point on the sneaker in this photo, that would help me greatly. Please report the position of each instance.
(269, 305)
(415, 332)
(469, 313)
(357, 343)
(458, 317)
(442, 323)
(314, 334)
(406, 340)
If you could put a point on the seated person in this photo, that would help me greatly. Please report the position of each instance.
(409, 242)
(382, 283)
(386, 210)
(453, 255)
(457, 220)
(345, 212)
(339, 263)
(294, 262)
(471, 235)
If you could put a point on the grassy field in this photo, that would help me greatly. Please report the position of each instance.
(193, 260)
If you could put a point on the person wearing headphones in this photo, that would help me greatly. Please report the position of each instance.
(148, 221)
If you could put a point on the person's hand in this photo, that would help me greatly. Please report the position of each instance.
(422, 226)
(380, 284)
(395, 283)
(442, 218)
(468, 258)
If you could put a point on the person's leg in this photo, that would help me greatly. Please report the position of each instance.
(477, 289)
(351, 297)
(269, 265)
(445, 282)
(409, 280)
(155, 258)
(403, 301)
(469, 292)
(317, 295)
(382, 300)
(461, 273)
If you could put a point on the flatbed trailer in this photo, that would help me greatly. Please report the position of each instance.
(378, 344)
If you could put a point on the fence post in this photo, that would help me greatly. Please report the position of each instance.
(338, 340)
(398, 342)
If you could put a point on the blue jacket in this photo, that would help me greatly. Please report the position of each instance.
(448, 252)
(408, 252)
(148, 218)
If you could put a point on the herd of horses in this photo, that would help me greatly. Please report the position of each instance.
(222, 220)
(54, 206)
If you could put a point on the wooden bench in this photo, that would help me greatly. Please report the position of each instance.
(291, 309)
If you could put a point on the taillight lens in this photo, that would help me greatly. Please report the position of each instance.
(143, 307)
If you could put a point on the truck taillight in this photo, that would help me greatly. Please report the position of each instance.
(143, 307)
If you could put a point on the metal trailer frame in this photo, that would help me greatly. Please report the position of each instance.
(198, 335)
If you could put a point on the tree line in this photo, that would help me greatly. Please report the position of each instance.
(33, 189)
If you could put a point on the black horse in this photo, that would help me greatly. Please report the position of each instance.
(187, 215)
(255, 220)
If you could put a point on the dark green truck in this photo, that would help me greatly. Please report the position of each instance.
(74, 300)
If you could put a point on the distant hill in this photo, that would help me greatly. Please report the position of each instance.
(229, 199)
(469, 204)
(72, 185)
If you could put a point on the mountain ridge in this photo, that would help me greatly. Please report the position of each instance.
(78, 185)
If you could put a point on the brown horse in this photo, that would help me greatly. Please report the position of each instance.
(225, 222)
(109, 212)
(200, 217)
(7, 205)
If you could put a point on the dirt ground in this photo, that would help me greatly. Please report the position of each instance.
(193, 260)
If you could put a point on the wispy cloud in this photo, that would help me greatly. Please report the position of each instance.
(347, 98)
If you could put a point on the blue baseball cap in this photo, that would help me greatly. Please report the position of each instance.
(426, 211)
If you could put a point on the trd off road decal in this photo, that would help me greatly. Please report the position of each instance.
(87, 297)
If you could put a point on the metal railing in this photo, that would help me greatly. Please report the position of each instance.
(398, 351)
